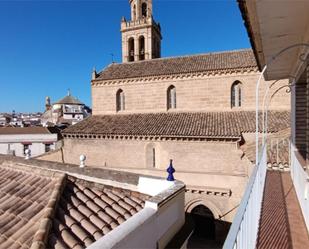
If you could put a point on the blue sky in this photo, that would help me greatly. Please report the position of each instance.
(47, 47)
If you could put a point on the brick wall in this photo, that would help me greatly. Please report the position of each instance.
(212, 93)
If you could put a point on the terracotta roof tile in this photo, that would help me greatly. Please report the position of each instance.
(86, 214)
(206, 124)
(211, 62)
(22, 203)
(58, 211)
(24, 130)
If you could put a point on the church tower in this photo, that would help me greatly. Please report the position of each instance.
(141, 36)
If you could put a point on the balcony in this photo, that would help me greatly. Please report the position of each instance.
(274, 212)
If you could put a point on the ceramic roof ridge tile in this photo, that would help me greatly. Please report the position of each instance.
(68, 238)
(59, 244)
(83, 213)
(73, 225)
(93, 229)
(41, 236)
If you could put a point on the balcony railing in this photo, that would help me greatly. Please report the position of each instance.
(244, 229)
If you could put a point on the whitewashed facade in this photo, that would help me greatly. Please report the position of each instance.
(15, 140)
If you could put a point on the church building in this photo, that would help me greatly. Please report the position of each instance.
(197, 110)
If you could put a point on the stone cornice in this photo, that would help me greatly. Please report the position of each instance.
(222, 192)
(156, 78)
(147, 138)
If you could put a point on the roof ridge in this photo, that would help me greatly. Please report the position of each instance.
(40, 238)
(227, 61)
(184, 56)
(184, 112)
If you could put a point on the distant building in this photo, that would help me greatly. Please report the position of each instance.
(68, 111)
(16, 140)
(5, 119)
(31, 119)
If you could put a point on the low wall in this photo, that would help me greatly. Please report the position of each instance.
(152, 227)
(300, 179)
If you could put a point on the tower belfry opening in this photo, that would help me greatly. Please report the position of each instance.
(141, 36)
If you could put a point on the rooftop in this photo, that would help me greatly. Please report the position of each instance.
(26, 130)
(70, 100)
(184, 125)
(211, 62)
(51, 205)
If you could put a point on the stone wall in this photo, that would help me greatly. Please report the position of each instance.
(190, 156)
(211, 93)
(217, 168)
(53, 156)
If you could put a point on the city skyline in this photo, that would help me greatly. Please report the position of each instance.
(51, 46)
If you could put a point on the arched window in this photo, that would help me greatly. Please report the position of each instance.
(131, 49)
(151, 155)
(171, 97)
(142, 48)
(134, 12)
(236, 95)
(120, 100)
(144, 9)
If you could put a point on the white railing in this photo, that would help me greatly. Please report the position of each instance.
(300, 180)
(244, 229)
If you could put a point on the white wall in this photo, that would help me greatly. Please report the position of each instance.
(301, 184)
(152, 227)
(37, 146)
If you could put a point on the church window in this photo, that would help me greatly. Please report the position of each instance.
(142, 48)
(153, 157)
(134, 12)
(236, 94)
(144, 9)
(120, 100)
(131, 49)
(171, 97)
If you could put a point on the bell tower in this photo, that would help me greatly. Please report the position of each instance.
(141, 36)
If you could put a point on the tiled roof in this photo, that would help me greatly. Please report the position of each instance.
(85, 214)
(211, 62)
(187, 125)
(41, 209)
(69, 100)
(23, 130)
(23, 201)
